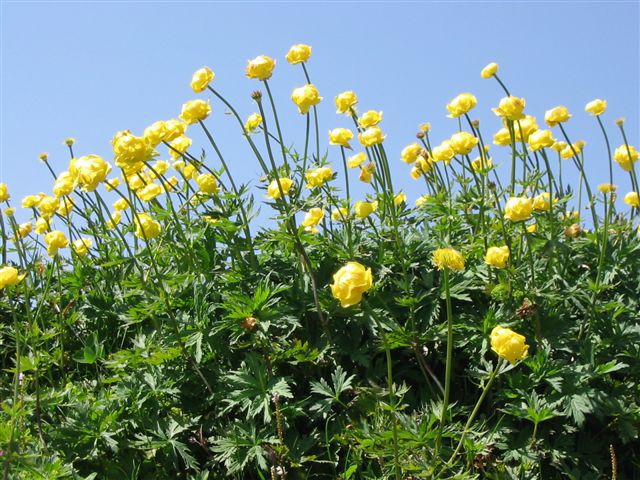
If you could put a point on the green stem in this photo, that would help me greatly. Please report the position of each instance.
(447, 378)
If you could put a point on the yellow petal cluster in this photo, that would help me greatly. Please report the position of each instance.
(497, 257)
(340, 136)
(207, 183)
(345, 101)
(556, 115)
(306, 97)
(195, 111)
(316, 177)
(463, 142)
(89, 171)
(596, 107)
(370, 118)
(350, 283)
(312, 218)
(541, 139)
(632, 199)
(273, 191)
(410, 153)
(146, 226)
(260, 68)
(448, 258)
(81, 246)
(4, 192)
(9, 276)
(510, 108)
(201, 79)
(461, 105)
(489, 71)
(508, 344)
(298, 53)
(364, 209)
(356, 160)
(55, 240)
(371, 136)
(626, 156)
(518, 209)
(253, 121)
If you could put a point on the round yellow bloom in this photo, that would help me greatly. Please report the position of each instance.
(371, 136)
(502, 137)
(175, 128)
(596, 107)
(24, 229)
(190, 171)
(159, 168)
(448, 258)
(542, 202)
(48, 206)
(69, 141)
(260, 67)
(497, 256)
(114, 220)
(339, 214)
(89, 171)
(541, 139)
(207, 183)
(525, 127)
(42, 225)
(82, 246)
(305, 97)
(461, 105)
(399, 199)
(443, 152)
(350, 282)
(532, 228)
(364, 209)
(146, 226)
(356, 160)
(201, 79)
(479, 164)
(298, 53)
(340, 136)
(370, 118)
(423, 164)
(559, 146)
(556, 115)
(55, 240)
(155, 133)
(420, 201)
(312, 218)
(66, 206)
(607, 188)
(518, 209)
(463, 142)
(415, 172)
(632, 199)
(120, 204)
(4, 192)
(568, 151)
(273, 191)
(253, 121)
(112, 183)
(626, 157)
(195, 111)
(149, 192)
(316, 177)
(171, 183)
(179, 146)
(510, 108)
(366, 172)
(508, 344)
(345, 101)
(490, 70)
(9, 212)
(409, 154)
(63, 185)
(9, 276)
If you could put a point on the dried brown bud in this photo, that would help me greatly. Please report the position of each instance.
(475, 123)
(249, 324)
(527, 309)
(420, 135)
(256, 95)
(573, 231)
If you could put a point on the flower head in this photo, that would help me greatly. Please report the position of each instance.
(146, 226)
(195, 111)
(350, 283)
(201, 79)
(607, 188)
(253, 121)
(463, 142)
(305, 97)
(518, 209)
(149, 192)
(9, 276)
(497, 256)
(556, 115)
(356, 160)
(370, 118)
(596, 107)
(410, 153)
(273, 191)
(207, 183)
(81, 246)
(339, 214)
(316, 177)
(443, 152)
(461, 104)
(260, 68)
(364, 209)
(371, 136)
(55, 240)
(4, 192)
(345, 101)
(312, 218)
(490, 70)
(626, 156)
(541, 139)
(399, 199)
(508, 344)
(632, 199)
(298, 53)
(88, 171)
(366, 172)
(340, 136)
(542, 202)
(448, 258)
(510, 108)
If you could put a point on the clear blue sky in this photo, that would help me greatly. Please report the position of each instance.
(87, 70)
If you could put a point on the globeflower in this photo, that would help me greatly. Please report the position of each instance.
(120, 204)
(48, 206)
(146, 226)
(24, 229)
(207, 183)
(497, 256)
(66, 206)
(461, 105)
(179, 146)
(4, 192)
(409, 154)
(626, 156)
(155, 133)
(518, 209)
(201, 79)
(350, 283)
(356, 160)
(312, 218)
(443, 152)
(502, 137)
(525, 127)
(632, 199)
(195, 111)
(508, 344)
(253, 121)
(316, 177)
(305, 97)
(63, 185)
(130, 151)
(448, 258)
(366, 172)
(463, 142)
(298, 53)
(399, 199)
(607, 188)
(273, 191)
(480, 164)
(370, 118)
(114, 220)
(556, 115)
(541, 139)
(364, 209)
(174, 129)
(420, 201)
(490, 70)
(42, 225)
(149, 192)
(9, 276)
(542, 202)
(81, 246)
(340, 136)
(260, 68)
(510, 108)
(55, 240)
(345, 101)
(371, 136)
(596, 107)
(89, 171)
(339, 214)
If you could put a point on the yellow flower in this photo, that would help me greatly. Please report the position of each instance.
(273, 191)
(48, 206)
(171, 183)
(424, 127)
(399, 199)
(253, 121)
(420, 201)
(113, 220)
(632, 199)
(9, 212)
(510, 108)
(479, 164)
(556, 115)
(149, 192)
(146, 227)
(130, 151)
(201, 79)
(4, 192)
(532, 228)
(489, 71)
(497, 256)
(175, 128)
(316, 177)
(461, 105)
(371, 136)
(350, 282)
(340, 136)
(89, 171)
(508, 344)
(159, 168)
(366, 172)
(9, 276)
(518, 209)
(298, 53)
(155, 133)
(448, 258)
(463, 142)
(423, 164)
(568, 151)
(370, 118)
(111, 184)
(207, 183)
(345, 101)
(55, 240)
(305, 97)
(596, 107)
(525, 127)
(409, 154)
(541, 139)
(66, 206)
(82, 246)
(120, 204)
(24, 229)
(443, 152)
(339, 214)
(190, 171)
(607, 188)
(356, 160)
(260, 67)
(542, 202)
(42, 225)
(364, 209)
(31, 201)
(63, 185)
(502, 137)
(415, 172)
(179, 146)
(195, 111)
(559, 145)
(573, 231)
(312, 218)
(69, 141)
(626, 156)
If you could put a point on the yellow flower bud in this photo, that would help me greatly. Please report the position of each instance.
(4, 192)
(364, 209)
(508, 344)
(195, 111)
(497, 256)
(632, 199)
(448, 258)
(424, 127)
(350, 283)
(556, 115)
(340, 136)
(340, 214)
(409, 154)
(399, 199)
(207, 183)
(345, 101)
(253, 121)
(370, 118)
(366, 172)
(273, 191)
(596, 107)
(626, 156)
(201, 79)
(607, 188)
(463, 142)
(312, 218)
(490, 70)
